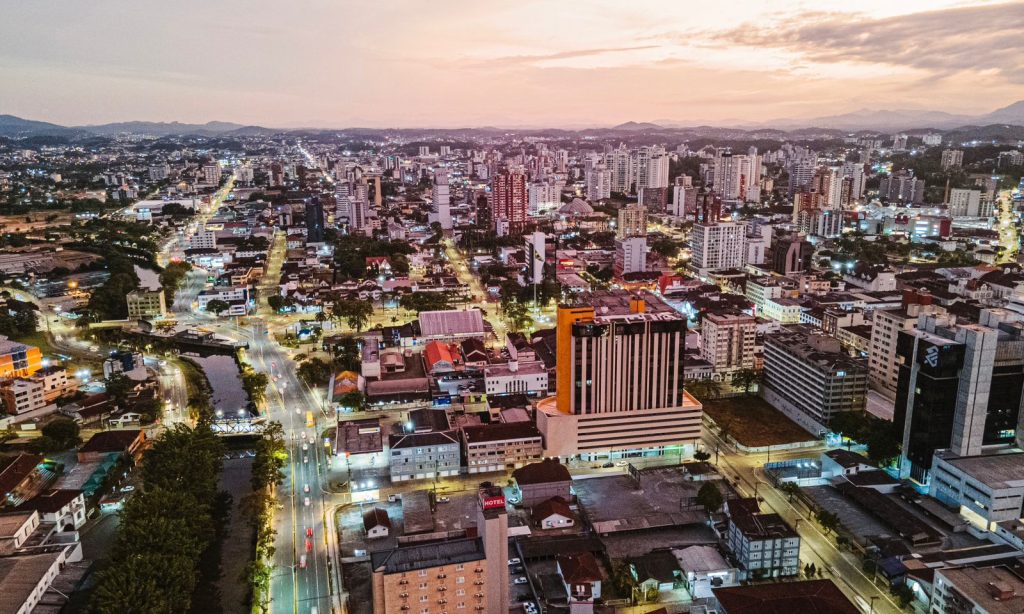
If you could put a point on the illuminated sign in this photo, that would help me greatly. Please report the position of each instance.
(491, 503)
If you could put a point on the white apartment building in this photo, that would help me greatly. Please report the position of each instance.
(883, 370)
(146, 304)
(543, 196)
(516, 377)
(211, 173)
(23, 395)
(727, 341)
(630, 255)
(599, 183)
(203, 239)
(720, 245)
(501, 446)
(968, 203)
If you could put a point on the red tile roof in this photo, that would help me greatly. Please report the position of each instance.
(807, 597)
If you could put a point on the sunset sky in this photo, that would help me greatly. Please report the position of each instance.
(446, 63)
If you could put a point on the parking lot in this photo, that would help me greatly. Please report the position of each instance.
(664, 497)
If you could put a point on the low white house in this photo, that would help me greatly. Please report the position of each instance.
(376, 523)
(553, 514)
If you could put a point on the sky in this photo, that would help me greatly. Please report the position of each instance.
(538, 63)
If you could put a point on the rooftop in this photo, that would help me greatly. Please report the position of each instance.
(111, 441)
(427, 555)
(998, 471)
(500, 431)
(807, 597)
(451, 322)
(547, 471)
(19, 576)
(995, 590)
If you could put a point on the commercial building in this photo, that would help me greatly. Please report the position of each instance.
(466, 574)
(987, 488)
(959, 388)
(968, 203)
(123, 361)
(516, 377)
(718, 245)
(810, 378)
(20, 396)
(145, 304)
(902, 187)
(18, 359)
(619, 375)
(727, 340)
(977, 590)
(423, 456)
(501, 446)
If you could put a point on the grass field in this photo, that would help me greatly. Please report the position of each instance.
(754, 423)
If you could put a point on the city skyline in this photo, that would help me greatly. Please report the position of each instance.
(393, 65)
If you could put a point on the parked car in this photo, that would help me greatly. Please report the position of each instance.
(519, 580)
(514, 561)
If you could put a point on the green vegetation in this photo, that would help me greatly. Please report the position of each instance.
(108, 301)
(425, 301)
(745, 378)
(880, 436)
(171, 278)
(170, 531)
(217, 306)
(710, 497)
(752, 422)
(356, 313)
(351, 252)
(17, 318)
(315, 372)
(267, 475)
(255, 384)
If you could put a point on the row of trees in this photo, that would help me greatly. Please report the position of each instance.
(171, 277)
(267, 475)
(166, 556)
(880, 436)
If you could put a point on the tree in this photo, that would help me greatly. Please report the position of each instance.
(355, 313)
(883, 441)
(315, 372)
(790, 489)
(705, 389)
(276, 302)
(710, 497)
(828, 520)
(518, 315)
(853, 425)
(255, 384)
(63, 431)
(217, 306)
(745, 378)
(118, 385)
(354, 399)
(701, 456)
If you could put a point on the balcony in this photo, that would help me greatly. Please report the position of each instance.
(442, 576)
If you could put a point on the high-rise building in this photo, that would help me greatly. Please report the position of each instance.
(899, 142)
(599, 183)
(632, 222)
(718, 245)
(790, 253)
(623, 170)
(543, 196)
(886, 326)
(809, 377)
(727, 341)
(657, 168)
(959, 387)
(630, 255)
(855, 172)
(684, 197)
(211, 173)
(314, 220)
(619, 380)
(442, 200)
(903, 187)
(508, 199)
(801, 172)
(968, 203)
(561, 160)
(952, 158)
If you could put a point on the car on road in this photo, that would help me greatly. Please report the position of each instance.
(127, 488)
(309, 531)
(443, 499)
(305, 502)
(514, 561)
(621, 464)
(608, 465)
(302, 562)
(309, 545)
(305, 488)
(519, 580)
(305, 446)
(516, 569)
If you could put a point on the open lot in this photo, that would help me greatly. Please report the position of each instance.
(754, 423)
(615, 503)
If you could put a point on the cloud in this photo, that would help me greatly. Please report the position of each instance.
(533, 60)
(941, 42)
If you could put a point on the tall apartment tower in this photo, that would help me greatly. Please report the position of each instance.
(883, 369)
(727, 341)
(632, 222)
(314, 220)
(509, 198)
(599, 182)
(442, 199)
(952, 158)
(619, 379)
(718, 246)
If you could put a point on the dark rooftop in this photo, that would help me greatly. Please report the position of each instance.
(544, 472)
(427, 555)
(807, 597)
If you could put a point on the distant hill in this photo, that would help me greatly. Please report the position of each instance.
(163, 128)
(637, 126)
(17, 127)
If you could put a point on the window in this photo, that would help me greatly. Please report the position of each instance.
(423, 573)
(460, 580)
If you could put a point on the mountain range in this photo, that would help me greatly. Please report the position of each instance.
(864, 119)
